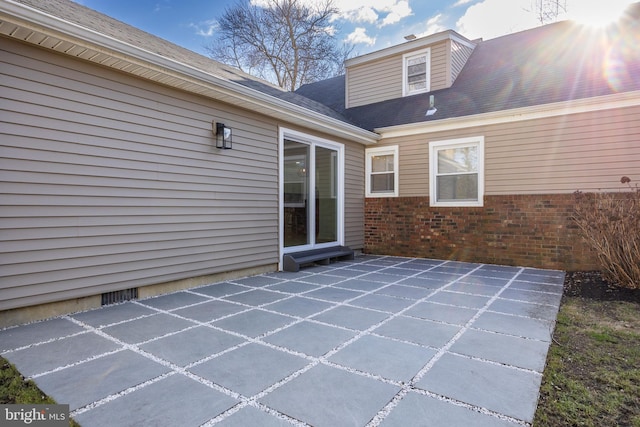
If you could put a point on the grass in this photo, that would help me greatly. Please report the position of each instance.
(592, 376)
(14, 388)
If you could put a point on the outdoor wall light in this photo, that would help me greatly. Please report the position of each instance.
(223, 136)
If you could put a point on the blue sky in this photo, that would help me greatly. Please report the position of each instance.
(368, 24)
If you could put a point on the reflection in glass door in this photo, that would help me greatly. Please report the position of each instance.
(296, 193)
(325, 188)
(311, 194)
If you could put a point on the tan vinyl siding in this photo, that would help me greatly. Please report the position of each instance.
(586, 151)
(354, 196)
(439, 66)
(381, 80)
(110, 182)
(374, 81)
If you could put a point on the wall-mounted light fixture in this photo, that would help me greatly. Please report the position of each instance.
(223, 136)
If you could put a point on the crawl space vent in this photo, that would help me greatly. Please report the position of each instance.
(119, 296)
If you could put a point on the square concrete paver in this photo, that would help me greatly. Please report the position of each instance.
(191, 345)
(251, 416)
(382, 302)
(34, 333)
(253, 323)
(221, 289)
(140, 330)
(113, 314)
(339, 397)
(519, 326)
(505, 390)
(63, 352)
(418, 331)
(393, 360)
(173, 301)
(388, 341)
(401, 291)
(249, 369)
(418, 410)
(299, 306)
(525, 309)
(521, 352)
(256, 297)
(96, 379)
(310, 338)
(441, 313)
(172, 401)
(351, 317)
(211, 310)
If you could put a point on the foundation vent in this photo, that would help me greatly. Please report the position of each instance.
(119, 296)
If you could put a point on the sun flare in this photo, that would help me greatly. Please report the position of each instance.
(597, 13)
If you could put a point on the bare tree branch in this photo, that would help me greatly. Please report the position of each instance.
(286, 42)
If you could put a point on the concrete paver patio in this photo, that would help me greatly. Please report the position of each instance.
(376, 341)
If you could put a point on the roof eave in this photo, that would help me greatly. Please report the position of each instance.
(31, 25)
(598, 103)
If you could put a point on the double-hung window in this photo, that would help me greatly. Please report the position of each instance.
(456, 172)
(382, 171)
(415, 72)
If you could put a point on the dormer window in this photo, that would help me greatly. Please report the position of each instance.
(416, 67)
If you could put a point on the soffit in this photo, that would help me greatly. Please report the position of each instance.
(32, 26)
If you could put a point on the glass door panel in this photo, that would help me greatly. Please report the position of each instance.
(296, 193)
(326, 207)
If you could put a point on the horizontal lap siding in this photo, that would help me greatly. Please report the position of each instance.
(586, 151)
(439, 66)
(354, 196)
(374, 82)
(109, 182)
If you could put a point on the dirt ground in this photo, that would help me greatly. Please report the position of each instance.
(591, 285)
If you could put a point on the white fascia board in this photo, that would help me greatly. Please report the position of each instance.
(599, 103)
(419, 43)
(236, 93)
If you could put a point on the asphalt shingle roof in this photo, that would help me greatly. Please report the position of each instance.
(553, 63)
(88, 18)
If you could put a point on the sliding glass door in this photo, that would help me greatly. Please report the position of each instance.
(311, 194)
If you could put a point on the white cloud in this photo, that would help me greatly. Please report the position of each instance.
(359, 36)
(205, 28)
(433, 25)
(492, 18)
(372, 11)
(398, 11)
(362, 14)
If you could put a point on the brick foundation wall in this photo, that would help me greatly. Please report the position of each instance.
(522, 230)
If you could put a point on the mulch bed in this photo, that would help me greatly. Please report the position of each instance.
(591, 284)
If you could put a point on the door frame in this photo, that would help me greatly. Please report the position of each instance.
(313, 141)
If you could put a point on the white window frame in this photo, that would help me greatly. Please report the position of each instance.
(313, 141)
(381, 151)
(434, 147)
(405, 71)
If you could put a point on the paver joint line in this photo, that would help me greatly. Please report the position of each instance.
(380, 291)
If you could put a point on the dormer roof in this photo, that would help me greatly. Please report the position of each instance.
(549, 64)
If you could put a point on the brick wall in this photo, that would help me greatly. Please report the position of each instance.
(523, 230)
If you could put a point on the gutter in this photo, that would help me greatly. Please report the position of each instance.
(585, 105)
(212, 86)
